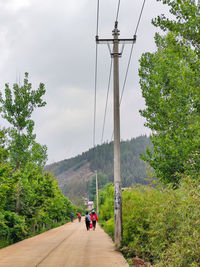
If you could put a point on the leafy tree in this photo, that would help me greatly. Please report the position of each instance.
(29, 197)
(3, 150)
(170, 82)
(102, 180)
(186, 22)
(17, 108)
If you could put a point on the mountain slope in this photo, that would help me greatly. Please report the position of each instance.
(75, 175)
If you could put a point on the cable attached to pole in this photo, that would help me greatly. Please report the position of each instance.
(104, 120)
(130, 56)
(117, 11)
(131, 52)
(97, 29)
(95, 78)
(140, 17)
(95, 95)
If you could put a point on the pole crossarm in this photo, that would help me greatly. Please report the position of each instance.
(112, 41)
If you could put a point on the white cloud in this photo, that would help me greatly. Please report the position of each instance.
(55, 42)
(15, 5)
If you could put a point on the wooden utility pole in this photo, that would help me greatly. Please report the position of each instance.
(117, 177)
(97, 195)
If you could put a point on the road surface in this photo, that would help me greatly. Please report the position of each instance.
(70, 245)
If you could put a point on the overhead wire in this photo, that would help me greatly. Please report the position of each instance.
(140, 16)
(108, 89)
(97, 29)
(95, 78)
(130, 56)
(118, 7)
(109, 79)
(127, 69)
(131, 52)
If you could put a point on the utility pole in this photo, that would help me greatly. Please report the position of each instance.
(117, 176)
(97, 195)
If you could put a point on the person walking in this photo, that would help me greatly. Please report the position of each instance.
(79, 217)
(72, 216)
(94, 219)
(87, 221)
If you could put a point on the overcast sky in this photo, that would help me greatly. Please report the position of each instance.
(54, 41)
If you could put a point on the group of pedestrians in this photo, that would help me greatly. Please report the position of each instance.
(91, 220)
(78, 216)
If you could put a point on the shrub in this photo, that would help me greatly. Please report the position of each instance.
(160, 225)
(14, 226)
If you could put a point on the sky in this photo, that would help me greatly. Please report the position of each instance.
(54, 41)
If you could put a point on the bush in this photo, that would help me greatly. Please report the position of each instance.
(160, 225)
(13, 226)
(106, 215)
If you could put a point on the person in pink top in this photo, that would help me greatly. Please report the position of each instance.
(94, 219)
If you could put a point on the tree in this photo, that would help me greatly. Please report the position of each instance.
(102, 181)
(170, 82)
(29, 197)
(17, 108)
(3, 150)
(186, 22)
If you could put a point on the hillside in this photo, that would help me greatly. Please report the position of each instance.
(75, 175)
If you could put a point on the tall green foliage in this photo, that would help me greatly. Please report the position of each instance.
(30, 198)
(3, 150)
(170, 82)
(102, 180)
(41, 202)
(106, 204)
(185, 21)
(17, 107)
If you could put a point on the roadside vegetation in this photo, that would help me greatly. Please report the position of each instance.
(30, 199)
(161, 224)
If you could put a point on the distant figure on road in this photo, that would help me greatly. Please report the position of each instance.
(79, 217)
(87, 221)
(72, 216)
(94, 219)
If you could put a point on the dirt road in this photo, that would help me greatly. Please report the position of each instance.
(67, 246)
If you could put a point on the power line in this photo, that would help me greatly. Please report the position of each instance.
(97, 30)
(95, 94)
(117, 11)
(109, 79)
(130, 56)
(140, 17)
(131, 52)
(127, 69)
(95, 78)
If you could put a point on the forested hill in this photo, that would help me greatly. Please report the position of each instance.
(75, 174)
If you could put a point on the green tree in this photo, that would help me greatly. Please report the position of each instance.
(17, 108)
(170, 82)
(102, 181)
(29, 197)
(3, 150)
(185, 21)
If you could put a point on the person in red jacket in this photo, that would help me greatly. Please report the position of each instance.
(94, 219)
(79, 216)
